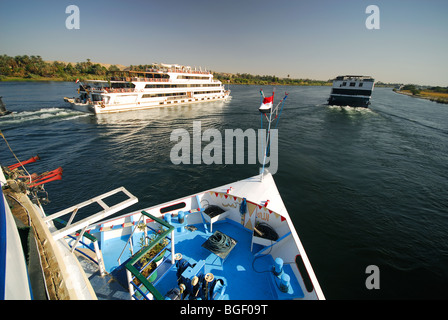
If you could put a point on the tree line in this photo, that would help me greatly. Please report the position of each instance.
(24, 67)
(35, 68)
(246, 78)
(415, 90)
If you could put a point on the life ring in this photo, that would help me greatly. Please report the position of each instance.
(102, 104)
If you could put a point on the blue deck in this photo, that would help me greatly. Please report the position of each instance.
(245, 278)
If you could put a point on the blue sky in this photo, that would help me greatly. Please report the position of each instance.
(317, 39)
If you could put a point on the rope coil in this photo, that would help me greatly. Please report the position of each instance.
(218, 242)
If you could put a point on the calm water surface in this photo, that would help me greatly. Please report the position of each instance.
(363, 187)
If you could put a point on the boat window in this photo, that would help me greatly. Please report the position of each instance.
(344, 84)
(174, 94)
(194, 77)
(360, 84)
(161, 76)
(188, 85)
(121, 85)
(352, 92)
(176, 206)
(352, 84)
(304, 273)
(206, 92)
(96, 97)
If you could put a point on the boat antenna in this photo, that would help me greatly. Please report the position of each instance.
(81, 84)
(274, 114)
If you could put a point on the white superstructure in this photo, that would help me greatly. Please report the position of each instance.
(163, 85)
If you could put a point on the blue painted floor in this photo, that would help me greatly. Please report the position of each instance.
(244, 278)
(242, 281)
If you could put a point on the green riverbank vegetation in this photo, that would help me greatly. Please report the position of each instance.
(246, 78)
(436, 94)
(34, 68)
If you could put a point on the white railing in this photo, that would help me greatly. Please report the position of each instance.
(84, 223)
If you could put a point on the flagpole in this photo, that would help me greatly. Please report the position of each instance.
(267, 137)
(82, 85)
(261, 115)
(269, 131)
(266, 149)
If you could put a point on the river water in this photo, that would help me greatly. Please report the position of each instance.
(363, 187)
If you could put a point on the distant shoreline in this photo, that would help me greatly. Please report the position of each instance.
(427, 95)
(58, 79)
(235, 81)
(34, 69)
(45, 79)
(304, 83)
(40, 79)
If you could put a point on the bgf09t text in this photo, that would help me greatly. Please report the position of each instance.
(237, 309)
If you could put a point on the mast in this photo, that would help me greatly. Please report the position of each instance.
(274, 113)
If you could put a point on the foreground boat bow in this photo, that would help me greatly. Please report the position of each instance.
(203, 247)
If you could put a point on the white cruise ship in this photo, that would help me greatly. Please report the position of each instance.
(164, 85)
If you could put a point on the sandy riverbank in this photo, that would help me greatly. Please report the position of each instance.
(426, 94)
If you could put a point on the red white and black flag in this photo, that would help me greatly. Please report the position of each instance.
(266, 104)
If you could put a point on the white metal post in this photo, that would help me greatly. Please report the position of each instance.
(131, 288)
(99, 258)
(172, 248)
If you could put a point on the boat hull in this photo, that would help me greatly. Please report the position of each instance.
(111, 108)
(352, 101)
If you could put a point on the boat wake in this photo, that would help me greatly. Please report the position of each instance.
(433, 125)
(46, 114)
(349, 109)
